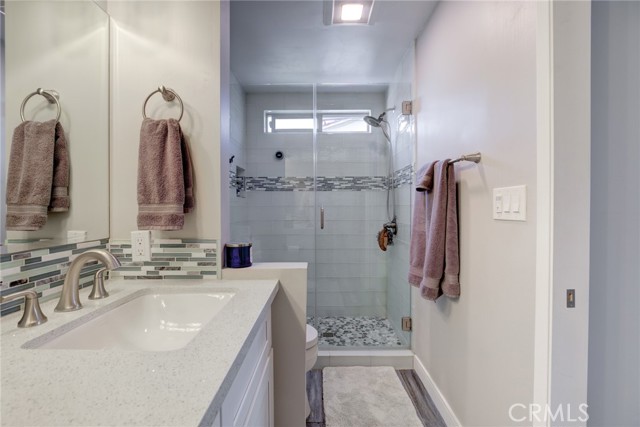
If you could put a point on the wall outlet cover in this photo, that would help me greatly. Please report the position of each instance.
(76, 235)
(141, 245)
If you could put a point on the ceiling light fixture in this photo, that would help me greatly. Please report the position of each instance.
(350, 11)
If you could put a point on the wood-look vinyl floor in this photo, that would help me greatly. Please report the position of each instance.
(425, 407)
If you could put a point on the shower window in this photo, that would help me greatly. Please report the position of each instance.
(329, 121)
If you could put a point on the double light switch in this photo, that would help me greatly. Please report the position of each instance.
(510, 203)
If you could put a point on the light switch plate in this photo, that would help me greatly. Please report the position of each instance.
(510, 203)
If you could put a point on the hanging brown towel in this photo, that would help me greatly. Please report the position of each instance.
(434, 258)
(165, 176)
(38, 175)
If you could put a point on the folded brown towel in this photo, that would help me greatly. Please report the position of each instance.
(38, 175)
(434, 258)
(165, 176)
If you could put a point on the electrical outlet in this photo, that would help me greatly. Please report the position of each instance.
(141, 245)
(76, 235)
(571, 298)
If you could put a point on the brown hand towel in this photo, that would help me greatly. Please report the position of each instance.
(38, 175)
(434, 258)
(165, 181)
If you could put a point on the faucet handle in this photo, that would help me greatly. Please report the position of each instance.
(98, 291)
(33, 315)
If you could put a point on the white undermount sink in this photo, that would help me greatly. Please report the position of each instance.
(149, 322)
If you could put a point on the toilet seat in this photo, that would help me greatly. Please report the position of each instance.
(312, 337)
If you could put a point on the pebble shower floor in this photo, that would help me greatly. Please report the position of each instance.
(355, 331)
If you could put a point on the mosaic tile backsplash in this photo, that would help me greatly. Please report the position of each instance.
(170, 259)
(43, 270)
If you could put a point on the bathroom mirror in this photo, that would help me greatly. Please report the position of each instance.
(60, 46)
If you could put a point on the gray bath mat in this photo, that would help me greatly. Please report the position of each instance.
(357, 396)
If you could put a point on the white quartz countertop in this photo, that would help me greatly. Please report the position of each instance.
(50, 387)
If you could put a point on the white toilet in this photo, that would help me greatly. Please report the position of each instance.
(311, 356)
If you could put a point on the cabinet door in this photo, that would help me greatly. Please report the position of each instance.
(261, 412)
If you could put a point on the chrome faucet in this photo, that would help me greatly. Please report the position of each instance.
(70, 298)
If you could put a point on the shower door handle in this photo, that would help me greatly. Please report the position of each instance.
(322, 218)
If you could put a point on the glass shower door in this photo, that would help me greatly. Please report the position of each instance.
(353, 305)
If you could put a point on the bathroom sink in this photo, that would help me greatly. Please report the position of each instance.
(149, 322)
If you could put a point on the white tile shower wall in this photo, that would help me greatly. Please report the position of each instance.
(350, 269)
(403, 137)
(261, 146)
(346, 154)
(281, 228)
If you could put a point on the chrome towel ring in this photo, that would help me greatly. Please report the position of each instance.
(168, 95)
(50, 95)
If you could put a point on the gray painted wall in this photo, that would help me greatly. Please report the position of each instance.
(476, 91)
(614, 324)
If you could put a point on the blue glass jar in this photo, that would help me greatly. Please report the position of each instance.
(238, 255)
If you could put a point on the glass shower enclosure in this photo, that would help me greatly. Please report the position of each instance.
(312, 184)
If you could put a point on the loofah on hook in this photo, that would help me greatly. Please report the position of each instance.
(383, 239)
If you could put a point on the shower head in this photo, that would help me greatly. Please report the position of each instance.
(372, 121)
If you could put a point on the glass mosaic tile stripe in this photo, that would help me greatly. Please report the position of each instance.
(170, 259)
(403, 176)
(328, 183)
(43, 270)
(323, 183)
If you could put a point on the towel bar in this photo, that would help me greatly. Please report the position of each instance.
(168, 95)
(49, 94)
(475, 158)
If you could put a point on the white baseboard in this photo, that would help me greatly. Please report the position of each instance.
(399, 359)
(441, 403)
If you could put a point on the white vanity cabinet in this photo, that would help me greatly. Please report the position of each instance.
(249, 402)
